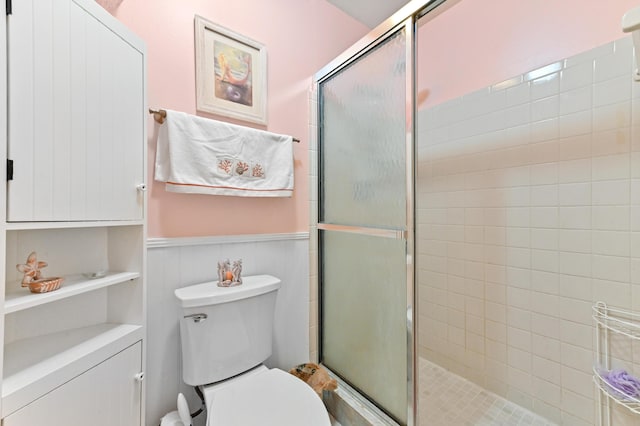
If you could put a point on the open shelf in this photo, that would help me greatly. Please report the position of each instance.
(631, 402)
(622, 322)
(21, 298)
(22, 226)
(35, 366)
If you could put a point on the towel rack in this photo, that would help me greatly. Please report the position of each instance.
(160, 114)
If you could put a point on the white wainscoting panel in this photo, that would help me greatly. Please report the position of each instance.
(175, 263)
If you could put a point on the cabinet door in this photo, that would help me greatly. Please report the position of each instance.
(105, 395)
(76, 113)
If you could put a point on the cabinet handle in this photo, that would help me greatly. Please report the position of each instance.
(139, 377)
(197, 317)
(142, 187)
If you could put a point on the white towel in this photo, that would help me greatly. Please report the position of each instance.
(198, 155)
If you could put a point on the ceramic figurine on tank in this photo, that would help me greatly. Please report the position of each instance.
(32, 277)
(229, 276)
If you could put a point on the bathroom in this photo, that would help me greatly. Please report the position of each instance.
(505, 287)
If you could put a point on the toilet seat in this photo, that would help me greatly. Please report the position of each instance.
(264, 397)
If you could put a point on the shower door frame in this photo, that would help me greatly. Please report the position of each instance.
(406, 18)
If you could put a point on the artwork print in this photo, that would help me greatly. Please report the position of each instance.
(231, 73)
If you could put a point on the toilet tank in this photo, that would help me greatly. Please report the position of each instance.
(225, 331)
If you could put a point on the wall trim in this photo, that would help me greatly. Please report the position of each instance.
(223, 239)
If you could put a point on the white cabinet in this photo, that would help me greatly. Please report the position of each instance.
(109, 404)
(75, 119)
(75, 124)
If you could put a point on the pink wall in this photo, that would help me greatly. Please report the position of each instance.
(473, 44)
(301, 36)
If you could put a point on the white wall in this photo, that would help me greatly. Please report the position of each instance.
(529, 211)
(178, 262)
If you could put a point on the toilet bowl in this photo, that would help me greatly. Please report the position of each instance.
(264, 397)
(226, 333)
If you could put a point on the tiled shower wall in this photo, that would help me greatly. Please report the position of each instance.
(528, 198)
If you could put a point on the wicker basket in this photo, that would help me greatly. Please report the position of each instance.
(45, 285)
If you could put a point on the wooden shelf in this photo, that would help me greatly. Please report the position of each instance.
(20, 299)
(35, 366)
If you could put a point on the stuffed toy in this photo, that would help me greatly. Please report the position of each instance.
(315, 376)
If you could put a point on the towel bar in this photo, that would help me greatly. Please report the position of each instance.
(161, 114)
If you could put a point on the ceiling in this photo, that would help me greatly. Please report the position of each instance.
(369, 12)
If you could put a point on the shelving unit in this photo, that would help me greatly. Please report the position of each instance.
(611, 321)
(76, 133)
(17, 300)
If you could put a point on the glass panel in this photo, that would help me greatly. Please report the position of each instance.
(363, 168)
(364, 316)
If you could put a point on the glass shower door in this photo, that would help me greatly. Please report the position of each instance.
(365, 224)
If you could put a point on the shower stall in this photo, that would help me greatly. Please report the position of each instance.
(468, 215)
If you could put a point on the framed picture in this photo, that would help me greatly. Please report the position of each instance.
(231, 73)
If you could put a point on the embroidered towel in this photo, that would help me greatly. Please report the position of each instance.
(203, 156)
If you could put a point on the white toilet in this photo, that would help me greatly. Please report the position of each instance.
(226, 334)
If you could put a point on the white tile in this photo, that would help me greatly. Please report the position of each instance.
(577, 357)
(575, 147)
(544, 195)
(614, 65)
(544, 217)
(547, 370)
(611, 142)
(634, 238)
(518, 237)
(574, 194)
(575, 100)
(612, 91)
(545, 391)
(613, 293)
(545, 325)
(517, 216)
(575, 310)
(518, 277)
(576, 287)
(575, 240)
(518, 298)
(578, 405)
(496, 331)
(518, 338)
(496, 274)
(546, 86)
(611, 167)
(574, 217)
(546, 173)
(545, 282)
(575, 264)
(546, 347)
(575, 171)
(576, 334)
(613, 243)
(545, 108)
(574, 124)
(580, 382)
(544, 130)
(611, 268)
(635, 192)
(544, 260)
(494, 235)
(518, 94)
(521, 360)
(578, 76)
(518, 257)
(543, 238)
(612, 116)
(611, 218)
(543, 303)
(611, 192)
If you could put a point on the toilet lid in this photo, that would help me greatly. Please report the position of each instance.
(271, 398)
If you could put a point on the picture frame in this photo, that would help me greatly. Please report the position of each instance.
(231, 73)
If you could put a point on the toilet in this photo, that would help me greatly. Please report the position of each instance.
(226, 334)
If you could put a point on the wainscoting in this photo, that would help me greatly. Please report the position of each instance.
(179, 262)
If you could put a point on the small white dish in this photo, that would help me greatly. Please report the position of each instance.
(94, 275)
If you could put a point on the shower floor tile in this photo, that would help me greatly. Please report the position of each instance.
(449, 400)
